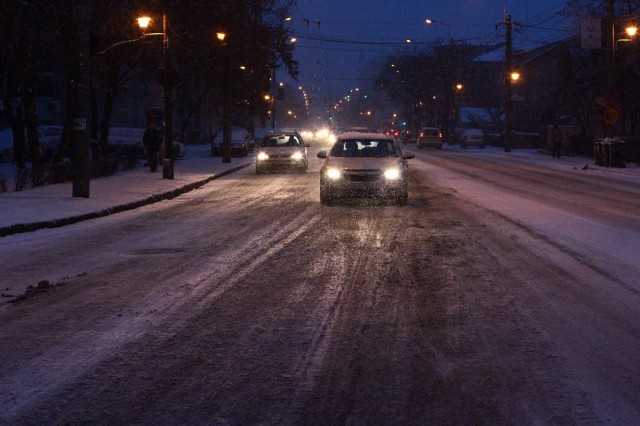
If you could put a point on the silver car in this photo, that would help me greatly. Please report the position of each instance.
(282, 150)
(364, 164)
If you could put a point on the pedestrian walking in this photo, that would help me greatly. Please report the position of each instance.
(556, 139)
(151, 141)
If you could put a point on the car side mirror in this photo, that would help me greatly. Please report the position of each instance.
(322, 154)
(307, 145)
(408, 156)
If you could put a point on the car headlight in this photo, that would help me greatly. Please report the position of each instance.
(333, 173)
(392, 174)
(262, 156)
(297, 156)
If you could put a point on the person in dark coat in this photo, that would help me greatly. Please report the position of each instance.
(151, 141)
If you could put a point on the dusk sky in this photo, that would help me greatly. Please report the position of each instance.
(338, 38)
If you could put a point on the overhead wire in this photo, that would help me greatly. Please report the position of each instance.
(378, 45)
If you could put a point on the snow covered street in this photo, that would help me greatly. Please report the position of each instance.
(506, 291)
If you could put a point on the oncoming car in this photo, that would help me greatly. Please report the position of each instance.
(284, 150)
(364, 164)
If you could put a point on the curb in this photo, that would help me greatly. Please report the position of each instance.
(57, 223)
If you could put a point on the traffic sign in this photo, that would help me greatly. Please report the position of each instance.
(611, 116)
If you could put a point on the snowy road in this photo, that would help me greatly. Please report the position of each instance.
(507, 291)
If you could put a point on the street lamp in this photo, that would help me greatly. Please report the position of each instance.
(166, 78)
(631, 30)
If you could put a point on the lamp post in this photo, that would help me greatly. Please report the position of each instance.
(226, 119)
(508, 107)
(166, 78)
(430, 21)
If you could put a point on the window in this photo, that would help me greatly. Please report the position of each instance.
(364, 148)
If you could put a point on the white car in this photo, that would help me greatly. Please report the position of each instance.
(241, 140)
(472, 137)
(282, 150)
(364, 164)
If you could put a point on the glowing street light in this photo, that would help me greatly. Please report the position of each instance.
(143, 22)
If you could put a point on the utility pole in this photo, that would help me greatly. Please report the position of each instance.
(611, 44)
(508, 107)
(226, 119)
(610, 90)
(273, 100)
(168, 80)
(81, 148)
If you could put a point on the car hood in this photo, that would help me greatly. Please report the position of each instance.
(363, 162)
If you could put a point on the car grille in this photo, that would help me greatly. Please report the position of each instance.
(363, 175)
(279, 156)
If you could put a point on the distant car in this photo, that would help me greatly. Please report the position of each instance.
(241, 140)
(429, 137)
(364, 164)
(282, 150)
(392, 132)
(409, 136)
(472, 137)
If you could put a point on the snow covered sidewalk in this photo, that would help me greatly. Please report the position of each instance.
(52, 206)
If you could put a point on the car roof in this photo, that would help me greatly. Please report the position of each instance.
(364, 135)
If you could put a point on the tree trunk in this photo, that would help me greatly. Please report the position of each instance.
(31, 123)
(15, 117)
(106, 121)
(67, 130)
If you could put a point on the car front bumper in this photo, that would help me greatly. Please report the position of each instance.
(363, 186)
(281, 163)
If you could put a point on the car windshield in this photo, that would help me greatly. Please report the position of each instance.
(364, 148)
(280, 140)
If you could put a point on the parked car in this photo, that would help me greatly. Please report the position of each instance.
(429, 137)
(241, 140)
(364, 164)
(282, 150)
(128, 140)
(6, 146)
(472, 137)
(50, 138)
